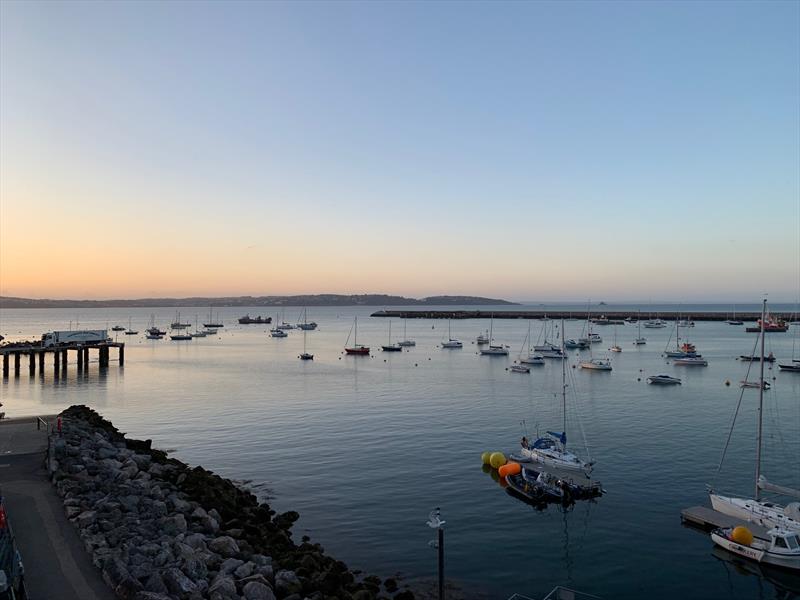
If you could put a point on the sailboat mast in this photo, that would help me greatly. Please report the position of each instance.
(760, 401)
(563, 380)
(491, 329)
(355, 332)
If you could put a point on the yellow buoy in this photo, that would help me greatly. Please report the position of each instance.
(742, 535)
(497, 459)
(485, 457)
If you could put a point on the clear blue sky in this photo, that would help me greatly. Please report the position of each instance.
(539, 150)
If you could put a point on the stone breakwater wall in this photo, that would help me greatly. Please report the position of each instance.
(161, 530)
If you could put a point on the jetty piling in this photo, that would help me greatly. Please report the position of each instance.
(60, 357)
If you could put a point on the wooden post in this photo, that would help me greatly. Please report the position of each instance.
(122, 355)
(56, 361)
(85, 358)
(103, 355)
(16, 364)
(80, 360)
(32, 364)
(64, 362)
(5, 366)
(41, 363)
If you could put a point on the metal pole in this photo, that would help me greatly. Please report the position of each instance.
(441, 563)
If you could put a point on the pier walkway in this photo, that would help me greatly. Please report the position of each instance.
(56, 563)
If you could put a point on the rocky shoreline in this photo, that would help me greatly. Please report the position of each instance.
(161, 530)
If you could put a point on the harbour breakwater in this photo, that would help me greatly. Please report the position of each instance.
(162, 530)
(574, 314)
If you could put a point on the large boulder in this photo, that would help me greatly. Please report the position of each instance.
(254, 590)
(224, 545)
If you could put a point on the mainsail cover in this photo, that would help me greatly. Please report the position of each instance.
(778, 489)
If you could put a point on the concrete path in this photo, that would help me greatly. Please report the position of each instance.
(56, 563)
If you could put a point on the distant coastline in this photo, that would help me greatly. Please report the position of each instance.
(300, 300)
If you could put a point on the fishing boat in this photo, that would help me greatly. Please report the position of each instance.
(765, 513)
(390, 347)
(356, 349)
(493, 349)
(259, 320)
(130, 330)
(451, 342)
(770, 325)
(551, 449)
(211, 323)
(691, 361)
(153, 330)
(405, 342)
(663, 380)
(779, 547)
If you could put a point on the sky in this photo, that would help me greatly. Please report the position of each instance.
(537, 151)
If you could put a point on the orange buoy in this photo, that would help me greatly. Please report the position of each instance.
(510, 468)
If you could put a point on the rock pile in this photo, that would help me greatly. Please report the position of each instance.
(160, 530)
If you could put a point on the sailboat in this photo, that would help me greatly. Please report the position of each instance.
(548, 349)
(277, 331)
(197, 333)
(130, 331)
(451, 342)
(211, 323)
(615, 347)
(284, 325)
(551, 450)
(531, 358)
(390, 347)
(405, 342)
(766, 514)
(734, 320)
(493, 349)
(305, 325)
(305, 355)
(176, 324)
(639, 341)
(356, 348)
(685, 350)
(153, 332)
(794, 366)
(595, 364)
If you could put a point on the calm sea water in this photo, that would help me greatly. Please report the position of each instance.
(364, 448)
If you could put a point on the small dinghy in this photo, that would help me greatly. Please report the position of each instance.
(520, 369)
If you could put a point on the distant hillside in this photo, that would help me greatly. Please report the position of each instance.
(307, 300)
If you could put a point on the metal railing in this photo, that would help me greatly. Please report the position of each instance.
(559, 593)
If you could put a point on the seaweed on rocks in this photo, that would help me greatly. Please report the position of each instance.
(159, 528)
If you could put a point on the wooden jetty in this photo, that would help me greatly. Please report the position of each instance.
(60, 356)
(580, 315)
(707, 518)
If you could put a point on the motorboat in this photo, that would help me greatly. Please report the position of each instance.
(306, 356)
(180, 337)
(117, 328)
(520, 369)
(594, 338)
(154, 336)
(663, 380)
(597, 364)
(655, 324)
(482, 339)
(286, 326)
(691, 361)
(770, 358)
(494, 350)
(210, 331)
(753, 384)
(779, 547)
(310, 326)
(581, 344)
(278, 333)
(792, 368)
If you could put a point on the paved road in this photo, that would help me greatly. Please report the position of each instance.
(57, 567)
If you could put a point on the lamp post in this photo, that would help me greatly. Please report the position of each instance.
(435, 522)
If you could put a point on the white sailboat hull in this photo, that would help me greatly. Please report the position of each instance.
(766, 514)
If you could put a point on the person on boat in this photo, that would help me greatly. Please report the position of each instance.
(524, 442)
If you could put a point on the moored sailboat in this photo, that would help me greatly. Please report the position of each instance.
(356, 349)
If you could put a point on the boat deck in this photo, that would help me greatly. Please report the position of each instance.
(707, 518)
